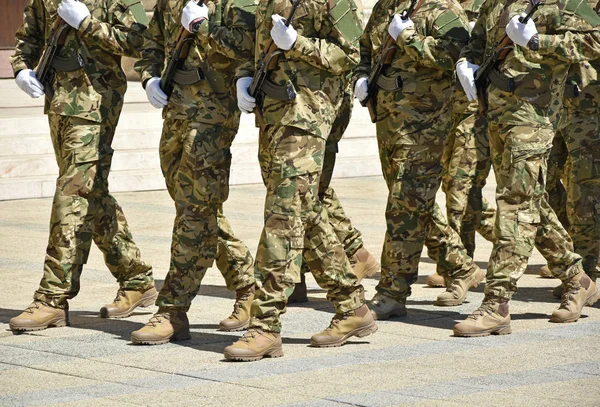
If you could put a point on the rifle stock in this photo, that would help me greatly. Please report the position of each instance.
(43, 70)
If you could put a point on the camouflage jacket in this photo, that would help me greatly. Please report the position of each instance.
(221, 42)
(95, 92)
(424, 60)
(324, 53)
(569, 32)
(471, 8)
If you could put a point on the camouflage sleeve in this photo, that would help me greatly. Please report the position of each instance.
(123, 35)
(29, 38)
(366, 50)
(338, 51)
(440, 50)
(236, 39)
(474, 51)
(571, 46)
(152, 60)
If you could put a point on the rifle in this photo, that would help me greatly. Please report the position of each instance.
(268, 62)
(383, 60)
(498, 55)
(43, 71)
(176, 59)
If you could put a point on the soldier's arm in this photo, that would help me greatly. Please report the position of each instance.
(441, 49)
(236, 40)
(571, 46)
(29, 38)
(123, 35)
(474, 51)
(366, 51)
(152, 59)
(338, 52)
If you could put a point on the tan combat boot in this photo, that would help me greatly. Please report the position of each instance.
(300, 293)
(578, 292)
(491, 317)
(40, 316)
(165, 326)
(435, 280)
(240, 317)
(545, 272)
(358, 323)
(383, 307)
(127, 301)
(364, 264)
(457, 288)
(255, 344)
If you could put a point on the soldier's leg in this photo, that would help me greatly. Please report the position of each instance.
(557, 194)
(201, 187)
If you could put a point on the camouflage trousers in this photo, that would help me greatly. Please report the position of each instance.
(524, 217)
(296, 226)
(195, 160)
(348, 235)
(413, 175)
(83, 211)
(466, 164)
(575, 157)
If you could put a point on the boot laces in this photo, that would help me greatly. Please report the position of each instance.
(571, 289)
(337, 318)
(120, 295)
(250, 334)
(484, 308)
(32, 307)
(238, 304)
(157, 319)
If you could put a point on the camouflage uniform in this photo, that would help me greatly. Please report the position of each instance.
(521, 127)
(466, 165)
(412, 125)
(83, 113)
(200, 123)
(292, 146)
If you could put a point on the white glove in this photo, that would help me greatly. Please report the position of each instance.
(246, 103)
(155, 95)
(361, 88)
(284, 37)
(28, 82)
(471, 25)
(521, 33)
(398, 25)
(73, 12)
(192, 12)
(466, 74)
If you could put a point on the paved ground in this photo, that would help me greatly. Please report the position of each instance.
(414, 360)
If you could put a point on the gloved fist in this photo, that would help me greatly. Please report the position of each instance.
(361, 88)
(192, 12)
(398, 25)
(246, 103)
(521, 33)
(155, 95)
(28, 82)
(466, 75)
(284, 37)
(471, 25)
(73, 12)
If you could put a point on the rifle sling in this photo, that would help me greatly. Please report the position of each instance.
(571, 91)
(278, 92)
(70, 64)
(187, 78)
(390, 83)
(503, 82)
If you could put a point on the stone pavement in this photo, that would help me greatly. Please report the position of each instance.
(414, 360)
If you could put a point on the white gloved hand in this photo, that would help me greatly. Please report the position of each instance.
(398, 25)
(28, 82)
(471, 25)
(73, 12)
(284, 37)
(192, 12)
(466, 75)
(246, 103)
(361, 88)
(521, 33)
(155, 95)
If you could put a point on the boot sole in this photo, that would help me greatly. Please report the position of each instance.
(459, 301)
(142, 303)
(55, 324)
(503, 330)
(358, 332)
(181, 337)
(235, 328)
(591, 300)
(273, 353)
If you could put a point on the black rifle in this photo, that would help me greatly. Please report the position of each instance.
(176, 59)
(44, 70)
(268, 62)
(383, 60)
(499, 54)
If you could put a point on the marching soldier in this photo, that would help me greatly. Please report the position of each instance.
(524, 97)
(299, 100)
(200, 122)
(84, 97)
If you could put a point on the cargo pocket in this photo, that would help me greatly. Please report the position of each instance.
(211, 177)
